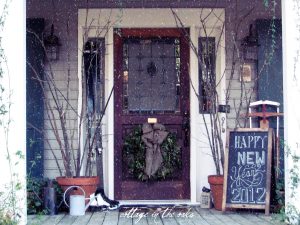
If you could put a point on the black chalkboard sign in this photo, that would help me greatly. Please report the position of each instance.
(247, 169)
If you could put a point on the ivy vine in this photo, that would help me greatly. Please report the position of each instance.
(289, 212)
(9, 199)
(134, 156)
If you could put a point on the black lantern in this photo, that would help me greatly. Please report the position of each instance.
(249, 47)
(52, 45)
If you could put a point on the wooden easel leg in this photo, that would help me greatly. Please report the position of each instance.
(267, 210)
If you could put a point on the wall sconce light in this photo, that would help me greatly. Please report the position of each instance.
(52, 45)
(249, 47)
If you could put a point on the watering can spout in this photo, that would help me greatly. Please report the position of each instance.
(92, 197)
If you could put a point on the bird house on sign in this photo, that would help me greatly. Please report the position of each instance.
(249, 47)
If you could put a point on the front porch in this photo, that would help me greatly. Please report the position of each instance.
(195, 215)
(199, 161)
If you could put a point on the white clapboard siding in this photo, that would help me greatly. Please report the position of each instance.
(66, 28)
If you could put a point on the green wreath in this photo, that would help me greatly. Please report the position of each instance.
(134, 155)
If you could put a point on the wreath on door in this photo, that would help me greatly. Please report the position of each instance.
(150, 152)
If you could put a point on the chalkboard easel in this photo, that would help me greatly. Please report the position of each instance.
(247, 169)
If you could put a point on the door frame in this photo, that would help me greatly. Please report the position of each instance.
(144, 18)
(181, 188)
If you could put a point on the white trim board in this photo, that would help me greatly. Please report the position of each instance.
(13, 127)
(291, 95)
(200, 164)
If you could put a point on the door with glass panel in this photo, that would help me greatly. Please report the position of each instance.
(151, 114)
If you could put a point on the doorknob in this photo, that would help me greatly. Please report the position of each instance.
(186, 128)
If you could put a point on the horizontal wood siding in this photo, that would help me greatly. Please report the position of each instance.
(65, 21)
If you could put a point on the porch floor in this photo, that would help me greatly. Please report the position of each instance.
(182, 216)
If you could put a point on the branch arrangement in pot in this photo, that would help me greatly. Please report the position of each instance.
(208, 94)
(208, 100)
(75, 125)
(213, 125)
(89, 121)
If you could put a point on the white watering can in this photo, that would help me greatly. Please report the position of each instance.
(77, 202)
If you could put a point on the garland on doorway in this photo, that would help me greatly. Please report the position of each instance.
(134, 156)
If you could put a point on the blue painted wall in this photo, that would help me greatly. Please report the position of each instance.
(34, 99)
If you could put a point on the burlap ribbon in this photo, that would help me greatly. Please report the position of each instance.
(153, 136)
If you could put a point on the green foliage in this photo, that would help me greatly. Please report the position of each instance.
(35, 195)
(6, 219)
(134, 152)
(288, 212)
(3, 15)
(134, 156)
(35, 189)
(8, 199)
(280, 199)
(171, 153)
(7, 214)
(266, 3)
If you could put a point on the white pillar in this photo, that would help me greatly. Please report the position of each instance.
(14, 82)
(291, 90)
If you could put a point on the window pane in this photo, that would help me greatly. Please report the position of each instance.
(94, 75)
(207, 80)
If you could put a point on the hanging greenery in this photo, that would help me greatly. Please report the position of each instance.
(134, 156)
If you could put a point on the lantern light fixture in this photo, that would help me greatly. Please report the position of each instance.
(249, 46)
(52, 45)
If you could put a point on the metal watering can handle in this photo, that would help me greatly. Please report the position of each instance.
(69, 188)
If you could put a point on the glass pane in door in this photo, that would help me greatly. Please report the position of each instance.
(151, 75)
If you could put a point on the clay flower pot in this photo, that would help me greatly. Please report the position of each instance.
(88, 184)
(216, 187)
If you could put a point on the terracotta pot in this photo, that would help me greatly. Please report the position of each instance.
(88, 184)
(216, 187)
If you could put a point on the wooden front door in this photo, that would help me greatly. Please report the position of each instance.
(151, 85)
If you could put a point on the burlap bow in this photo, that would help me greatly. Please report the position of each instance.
(153, 136)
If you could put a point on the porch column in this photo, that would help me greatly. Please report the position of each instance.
(14, 98)
(291, 91)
